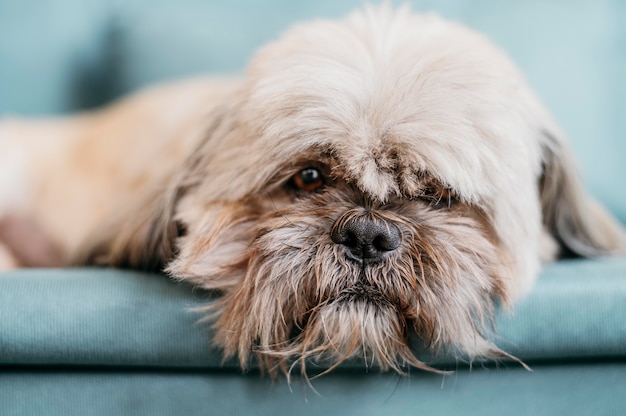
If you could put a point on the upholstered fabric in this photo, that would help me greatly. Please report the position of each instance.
(100, 317)
(112, 342)
(594, 389)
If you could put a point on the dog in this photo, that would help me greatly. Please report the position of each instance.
(368, 180)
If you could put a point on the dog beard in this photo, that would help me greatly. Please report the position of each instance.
(305, 296)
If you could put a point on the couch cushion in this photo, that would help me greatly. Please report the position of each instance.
(108, 342)
(103, 317)
(100, 317)
(592, 389)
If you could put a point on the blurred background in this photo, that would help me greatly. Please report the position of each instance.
(61, 56)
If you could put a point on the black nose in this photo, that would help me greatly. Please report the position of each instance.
(365, 237)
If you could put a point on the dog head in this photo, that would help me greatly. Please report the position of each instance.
(372, 178)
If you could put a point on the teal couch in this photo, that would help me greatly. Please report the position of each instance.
(109, 342)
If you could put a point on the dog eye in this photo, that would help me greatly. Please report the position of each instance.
(308, 179)
(439, 198)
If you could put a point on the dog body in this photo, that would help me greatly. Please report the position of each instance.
(367, 179)
(63, 177)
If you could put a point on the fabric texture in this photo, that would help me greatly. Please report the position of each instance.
(593, 389)
(103, 317)
(106, 342)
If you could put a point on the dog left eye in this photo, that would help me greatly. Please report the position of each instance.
(439, 198)
(308, 179)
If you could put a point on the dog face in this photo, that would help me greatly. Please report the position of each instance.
(381, 176)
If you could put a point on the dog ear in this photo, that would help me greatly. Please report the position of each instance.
(145, 236)
(580, 224)
(143, 240)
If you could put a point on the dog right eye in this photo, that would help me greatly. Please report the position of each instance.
(307, 180)
(439, 198)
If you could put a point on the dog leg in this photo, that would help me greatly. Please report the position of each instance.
(25, 244)
(7, 260)
(20, 240)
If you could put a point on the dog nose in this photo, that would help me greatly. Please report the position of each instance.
(366, 238)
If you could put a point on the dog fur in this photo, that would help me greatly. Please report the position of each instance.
(418, 127)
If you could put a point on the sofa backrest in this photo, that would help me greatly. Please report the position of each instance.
(58, 56)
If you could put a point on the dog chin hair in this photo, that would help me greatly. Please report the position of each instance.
(302, 298)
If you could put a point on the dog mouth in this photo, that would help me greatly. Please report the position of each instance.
(362, 289)
(359, 323)
(362, 294)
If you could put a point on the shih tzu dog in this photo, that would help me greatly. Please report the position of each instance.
(382, 177)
